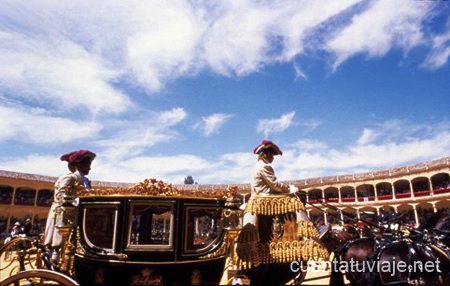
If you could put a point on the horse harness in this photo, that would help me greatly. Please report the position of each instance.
(416, 251)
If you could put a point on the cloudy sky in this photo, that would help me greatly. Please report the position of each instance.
(172, 88)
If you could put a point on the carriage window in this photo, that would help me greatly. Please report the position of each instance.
(203, 227)
(151, 225)
(99, 226)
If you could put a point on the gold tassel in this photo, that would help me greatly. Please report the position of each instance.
(307, 229)
(282, 252)
(274, 205)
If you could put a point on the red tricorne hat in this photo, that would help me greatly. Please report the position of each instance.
(65, 157)
(266, 144)
(81, 155)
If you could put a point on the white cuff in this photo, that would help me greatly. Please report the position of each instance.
(293, 189)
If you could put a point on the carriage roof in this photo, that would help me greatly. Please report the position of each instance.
(157, 188)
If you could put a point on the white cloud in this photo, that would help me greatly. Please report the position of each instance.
(158, 49)
(440, 52)
(310, 124)
(131, 138)
(57, 73)
(299, 72)
(277, 125)
(381, 26)
(243, 36)
(72, 53)
(394, 147)
(300, 24)
(38, 126)
(308, 144)
(235, 41)
(367, 136)
(35, 164)
(170, 117)
(172, 169)
(211, 124)
(299, 161)
(137, 43)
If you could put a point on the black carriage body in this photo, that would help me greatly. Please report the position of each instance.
(149, 240)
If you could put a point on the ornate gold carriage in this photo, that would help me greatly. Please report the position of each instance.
(148, 234)
(155, 234)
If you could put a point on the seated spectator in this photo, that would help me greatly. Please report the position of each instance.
(26, 228)
(14, 232)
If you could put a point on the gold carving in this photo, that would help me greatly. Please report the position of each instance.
(221, 251)
(153, 187)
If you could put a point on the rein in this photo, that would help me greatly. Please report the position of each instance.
(349, 216)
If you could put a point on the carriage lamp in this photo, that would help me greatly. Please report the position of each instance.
(65, 213)
(232, 220)
(232, 215)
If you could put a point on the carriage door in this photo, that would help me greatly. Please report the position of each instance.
(151, 225)
(100, 225)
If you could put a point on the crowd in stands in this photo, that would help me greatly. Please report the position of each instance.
(45, 198)
(405, 217)
(315, 196)
(442, 185)
(380, 192)
(5, 196)
(23, 227)
(384, 192)
(26, 197)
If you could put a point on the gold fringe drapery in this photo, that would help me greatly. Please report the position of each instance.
(274, 204)
(285, 252)
(247, 248)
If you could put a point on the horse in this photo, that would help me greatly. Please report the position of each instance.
(407, 263)
(356, 251)
(333, 239)
(421, 249)
(373, 262)
(400, 261)
(360, 260)
(438, 226)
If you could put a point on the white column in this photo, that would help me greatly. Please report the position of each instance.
(416, 216)
(375, 192)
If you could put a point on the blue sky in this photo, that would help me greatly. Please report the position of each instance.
(167, 89)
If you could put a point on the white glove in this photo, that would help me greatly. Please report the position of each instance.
(292, 189)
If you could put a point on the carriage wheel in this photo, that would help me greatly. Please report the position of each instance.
(39, 277)
(7, 255)
(17, 255)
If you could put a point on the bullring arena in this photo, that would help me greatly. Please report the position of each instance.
(413, 192)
